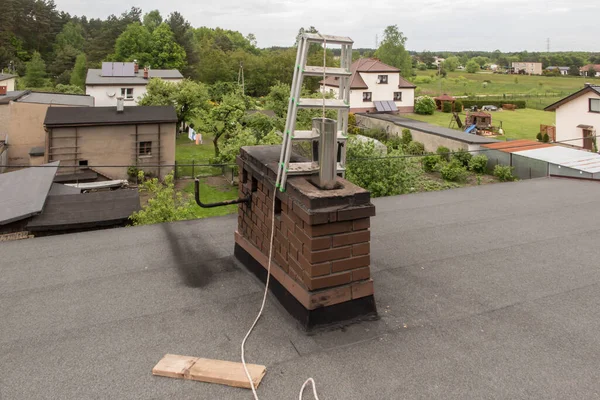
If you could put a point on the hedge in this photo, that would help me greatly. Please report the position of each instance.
(497, 103)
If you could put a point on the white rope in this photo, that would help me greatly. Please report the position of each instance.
(264, 300)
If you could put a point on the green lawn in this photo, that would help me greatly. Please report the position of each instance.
(212, 194)
(538, 91)
(519, 124)
(188, 153)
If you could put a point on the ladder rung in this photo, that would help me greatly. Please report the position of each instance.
(303, 168)
(315, 37)
(318, 103)
(313, 135)
(310, 70)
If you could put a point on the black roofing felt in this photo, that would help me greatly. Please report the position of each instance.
(76, 211)
(485, 292)
(97, 116)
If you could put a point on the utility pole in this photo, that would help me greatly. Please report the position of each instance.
(376, 41)
(548, 44)
(241, 82)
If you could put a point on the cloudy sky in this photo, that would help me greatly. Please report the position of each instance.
(507, 25)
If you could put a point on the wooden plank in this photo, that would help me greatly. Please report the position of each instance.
(207, 370)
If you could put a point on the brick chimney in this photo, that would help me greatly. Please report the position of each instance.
(146, 72)
(3, 90)
(136, 67)
(321, 253)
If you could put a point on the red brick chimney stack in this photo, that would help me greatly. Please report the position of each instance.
(145, 72)
(136, 67)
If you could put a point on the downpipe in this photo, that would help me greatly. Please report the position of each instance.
(246, 199)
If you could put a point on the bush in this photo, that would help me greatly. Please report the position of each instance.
(539, 137)
(462, 156)
(458, 106)
(447, 107)
(352, 128)
(424, 105)
(132, 172)
(444, 152)
(415, 148)
(546, 138)
(381, 176)
(394, 143)
(478, 163)
(375, 133)
(504, 173)
(497, 103)
(431, 163)
(406, 136)
(454, 172)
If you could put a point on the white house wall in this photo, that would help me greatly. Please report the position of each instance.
(576, 112)
(102, 98)
(9, 83)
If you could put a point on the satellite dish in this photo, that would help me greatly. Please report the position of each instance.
(110, 94)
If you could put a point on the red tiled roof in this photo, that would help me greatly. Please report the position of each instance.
(516, 145)
(587, 67)
(367, 65)
(479, 114)
(445, 97)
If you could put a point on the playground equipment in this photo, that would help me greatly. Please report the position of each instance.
(476, 122)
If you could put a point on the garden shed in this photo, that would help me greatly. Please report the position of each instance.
(440, 100)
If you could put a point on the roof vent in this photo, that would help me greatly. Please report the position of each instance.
(120, 104)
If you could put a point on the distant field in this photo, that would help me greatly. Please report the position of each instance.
(538, 91)
(519, 124)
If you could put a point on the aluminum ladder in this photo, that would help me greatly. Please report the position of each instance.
(341, 104)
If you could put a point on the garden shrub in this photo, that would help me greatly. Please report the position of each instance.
(546, 138)
(444, 152)
(415, 148)
(447, 107)
(504, 173)
(458, 106)
(375, 133)
(539, 137)
(394, 143)
(424, 105)
(133, 172)
(454, 171)
(478, 163)
(431, 162)
(462, 156)
(406, 136)
(352, 128)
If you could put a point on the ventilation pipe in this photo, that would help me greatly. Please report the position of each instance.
(120, 104)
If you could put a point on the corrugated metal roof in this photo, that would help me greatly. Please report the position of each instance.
(57, 99)
(94, 77)
(566, 157)
(516, 145)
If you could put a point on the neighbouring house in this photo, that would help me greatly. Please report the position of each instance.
(585, 70)
(578, 117)
(375, 86)
(528, 68)
(41, 207)
(22, 116)
(7, 83)
(561, 70)
(127, 80)
(109, 140)
(438, 60)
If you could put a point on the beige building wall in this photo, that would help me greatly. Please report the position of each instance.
(25, 130)
(4, 119)
(9, 83)
(106, 146)
(572, 114)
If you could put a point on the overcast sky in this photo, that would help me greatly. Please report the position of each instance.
(507, 25)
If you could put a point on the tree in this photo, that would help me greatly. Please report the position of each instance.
(70, 36)
(224, 119)
(79, 71)
(188, 97)
(472, 67)
(135, 43)
(591, 72)
(278, 98)
(392, 51)
(166, 53)
(152, 20)
(427, 58)
(184, 36)
(574, 70)
(451, 63)
(71, 89)
(165, 203)
(36, 72)
(424, 105)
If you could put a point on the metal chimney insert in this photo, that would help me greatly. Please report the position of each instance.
(327, 130)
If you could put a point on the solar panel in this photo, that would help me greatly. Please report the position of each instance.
(117, 69)
(107, 69)
(128, 69)
(385, 106)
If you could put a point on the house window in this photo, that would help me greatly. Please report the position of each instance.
(127, 93)
(595, 105)
(397, 96)
(83, 163)
(382, 79)
(145, 149)
(367, 96)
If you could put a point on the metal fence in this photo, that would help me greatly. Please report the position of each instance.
(190, 169)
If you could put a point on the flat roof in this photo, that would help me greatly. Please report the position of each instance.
(513, 146)
(57, 99)
(94, 77)
(474, 302)
(23, 192)
(433, 129)
(566, 157)
(12, 95)
(97, 116)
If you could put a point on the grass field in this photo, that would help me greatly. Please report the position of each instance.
(538, 91)
(519, 124)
